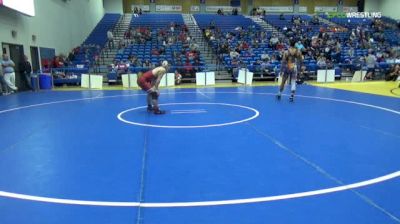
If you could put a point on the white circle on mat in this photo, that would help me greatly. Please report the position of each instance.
(256, 113)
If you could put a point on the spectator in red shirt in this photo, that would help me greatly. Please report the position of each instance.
(189, 68)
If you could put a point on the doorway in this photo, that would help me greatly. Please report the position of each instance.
(35, 59)
(16, 54)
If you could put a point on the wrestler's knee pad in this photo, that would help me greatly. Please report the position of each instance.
(293, 85)
(154, 95)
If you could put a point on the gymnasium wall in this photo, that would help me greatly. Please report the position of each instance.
(389, 8)
(186, 4)
(113, 6)
(311, 4)
(245, 4)
(57, 24)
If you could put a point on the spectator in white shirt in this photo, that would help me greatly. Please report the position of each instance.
(110, 38)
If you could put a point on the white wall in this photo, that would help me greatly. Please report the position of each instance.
(113, 6)
(57, 24)
(389, 8)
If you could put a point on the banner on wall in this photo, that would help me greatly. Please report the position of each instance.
(168, 8)
(325, 9)
(303, 9)
(277, 8)
(350, 9)
(145, 8)
(214, 8)
(194, 8)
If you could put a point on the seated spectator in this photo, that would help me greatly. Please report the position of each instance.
(351, 52)
(322, 62)
(57, 62)
(280, 46)
(128, 33)
(234, 54)
(299, 46)
(212, 24)
(189, 68)
(393, 74)
(147, 64)
(235, 11)
(273, 41)
(178, 77)
(315, 20)
(265, 56)
(135, 62)
(197, 65)
(135, 12)
(155, 52)
(281, 16)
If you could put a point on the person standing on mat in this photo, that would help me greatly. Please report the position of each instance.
(292, 57)
(149, 82)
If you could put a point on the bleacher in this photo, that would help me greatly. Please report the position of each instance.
(287, 22)
(99, 34)
(143, 51)
(85, 54)
(248, 58)
(156, 21)
(225, 23)
(391, 38)
(242, 29)
(96, 40)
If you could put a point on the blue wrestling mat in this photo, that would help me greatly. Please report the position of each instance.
(226, 155)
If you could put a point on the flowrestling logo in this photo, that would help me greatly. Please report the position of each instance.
(359, 15)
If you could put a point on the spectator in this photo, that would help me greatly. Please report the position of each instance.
(128, 33)
(147, 64)
(3, 85)
(235, 11)
(212, 24)
(371, 62)
(189, 68)
(178, 78)
(135, 12)
(110, 38)
(273, 41)
(234, 54)
(26, 69)
(299, 46)
(315, 20)
(393, 74)
(197, 65)
(351, 52)
(281, 16)
(9, 73)
(321, 62)
(265, 56)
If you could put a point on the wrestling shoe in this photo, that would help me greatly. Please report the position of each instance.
(150, 109)
(291, 98)
(159, 112)
(278, 97)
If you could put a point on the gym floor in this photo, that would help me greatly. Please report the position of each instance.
(219, 155)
